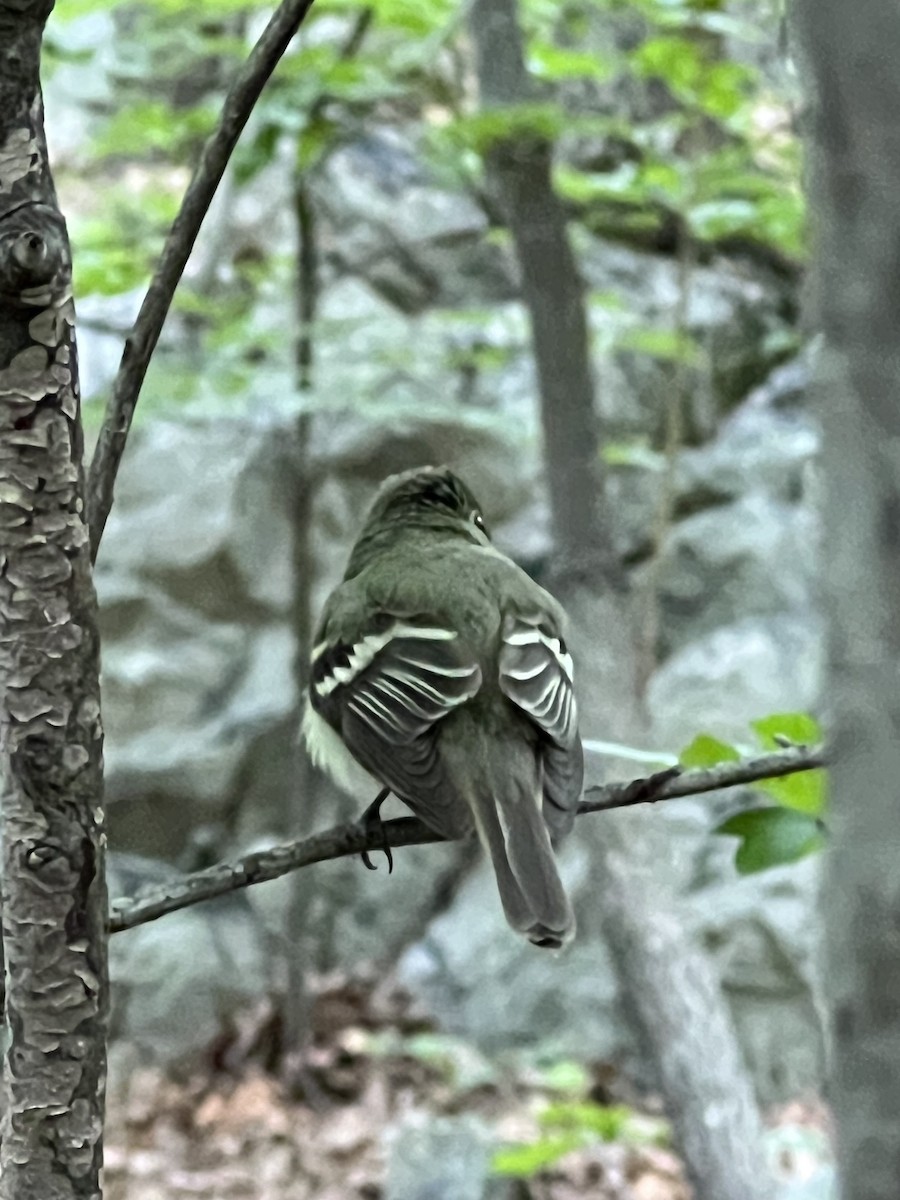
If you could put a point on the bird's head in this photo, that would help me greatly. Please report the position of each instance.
(427, 495)
(428, 498)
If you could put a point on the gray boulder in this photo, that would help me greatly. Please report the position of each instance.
(179, 981)
(755, 556)
(438, 1158)
(415, 243)
(735, 673)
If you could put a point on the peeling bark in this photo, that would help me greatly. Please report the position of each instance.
(53, 888)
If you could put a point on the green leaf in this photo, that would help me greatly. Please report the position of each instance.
(719, 218)
(522, 1162)
(409, 17)
(781, 221)
(723, 89)
(667, 345)
(665, 182)
(254, 154)
(797, 727)
(153, 125)
(582, 187)
(564, 1075)
(636, 453)
(771, 837)
(71, 10)
(707, 751)
(553, 62)
(805, 791)
(106, 271)
(484, 129)
(677, 61)
(606, 1122)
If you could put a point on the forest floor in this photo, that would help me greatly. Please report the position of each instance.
(242, 1127)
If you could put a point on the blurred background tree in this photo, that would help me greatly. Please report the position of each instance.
(360, 301)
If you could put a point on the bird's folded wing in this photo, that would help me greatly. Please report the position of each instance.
(536, 675)
(385, 691)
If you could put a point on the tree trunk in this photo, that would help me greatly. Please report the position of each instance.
(852, 53)
(53, 891)
(668, 981)
(520, 172)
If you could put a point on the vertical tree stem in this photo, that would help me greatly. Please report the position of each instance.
(669, 984)
(852, 53)
(301, 939)
(53, 890)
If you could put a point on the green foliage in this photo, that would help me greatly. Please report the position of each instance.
(564, 1076)
(605, 1123)
(408, 17)
(483, 129)
(740, 181)
(805, 791)
(73, 9)
(455, 1060)
(637, 453)
(703, 84)
(567, 1125)
(523, 1161)
(104, 265)
(668, 345)
(703, 156)
(155, 126)
(772, 836)
(553, 63)
(707, 751)
(115, 254)
(797, 728)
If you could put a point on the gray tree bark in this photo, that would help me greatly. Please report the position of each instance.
(53, 889)
(669, 983)
(851, 53)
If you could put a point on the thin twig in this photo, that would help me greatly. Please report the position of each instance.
(664, 519)
(140, 344)
(675, 783)
(344, 840)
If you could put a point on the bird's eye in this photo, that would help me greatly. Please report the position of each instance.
(478, 521)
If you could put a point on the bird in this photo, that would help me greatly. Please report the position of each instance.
(440, 673)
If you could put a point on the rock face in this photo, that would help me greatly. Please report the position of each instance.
(441, 1158)
(423, 356)
(201, 708)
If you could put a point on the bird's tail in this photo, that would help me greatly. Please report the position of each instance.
(513, 831)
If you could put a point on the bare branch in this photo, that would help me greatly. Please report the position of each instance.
(141, 342)
(344, 840)
(676, 783)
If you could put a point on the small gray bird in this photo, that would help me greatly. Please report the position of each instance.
(440, 669)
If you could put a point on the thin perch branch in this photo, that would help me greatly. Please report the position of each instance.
(344, 840)
(676, 783)
(141, 342)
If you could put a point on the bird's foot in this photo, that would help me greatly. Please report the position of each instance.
(372, 823)
(646, 791)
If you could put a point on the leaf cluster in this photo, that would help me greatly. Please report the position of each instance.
(704, 154)
(791, 828)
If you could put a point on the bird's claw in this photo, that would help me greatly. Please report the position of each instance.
(371, 822)
(369, 865)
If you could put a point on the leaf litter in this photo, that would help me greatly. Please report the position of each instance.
(252, 1122)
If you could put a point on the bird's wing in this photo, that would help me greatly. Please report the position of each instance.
(536, 675)
(385, 691)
